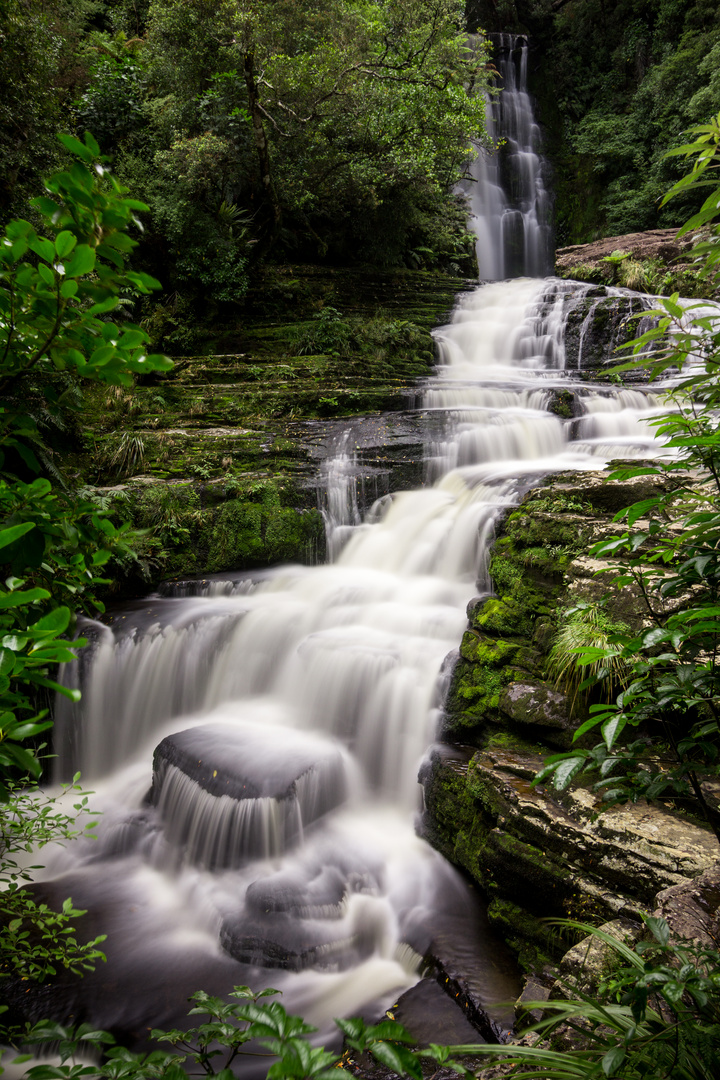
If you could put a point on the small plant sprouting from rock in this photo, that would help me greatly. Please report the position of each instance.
(588, 627)
(128, 455)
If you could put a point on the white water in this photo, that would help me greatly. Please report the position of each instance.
(328, 675)
(311, 696)
(509, 203)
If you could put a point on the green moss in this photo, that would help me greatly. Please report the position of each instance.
(509, 740)
(458, 829)
(501, 616)
(535, 943)
(198, 528)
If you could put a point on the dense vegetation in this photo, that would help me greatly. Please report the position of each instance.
(329, 130)
(617, 82)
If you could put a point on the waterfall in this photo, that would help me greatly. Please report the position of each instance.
(509, 203)
(254, 744)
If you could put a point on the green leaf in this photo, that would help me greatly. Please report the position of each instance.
(55, 622)
(85, 153)
(43, 248)
(566, 770)
(82, 262)
(104, 305)
(658, 928)
(398, 1058)
(64, 244)
(47, 275)
(19, 599)
(9, 536)
(612, 1061)
(612, 728)
(68, 289)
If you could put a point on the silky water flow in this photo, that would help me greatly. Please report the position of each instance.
(271, 838)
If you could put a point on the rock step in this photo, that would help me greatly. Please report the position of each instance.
(227, 794)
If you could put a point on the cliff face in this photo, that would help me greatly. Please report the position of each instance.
(533, 852)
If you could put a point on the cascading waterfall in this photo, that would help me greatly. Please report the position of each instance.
(287, 713)
(509, 202)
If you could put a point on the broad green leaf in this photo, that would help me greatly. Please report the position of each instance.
(612, 1061)
(105, 305)
(566, 770)
(9, 536)
(68, 289)
(398, 1058)
(43, 248)
(612, 728)
(19, 599)
(82, 261)
(47, 275)
(55, 622)
(64, 244)
(85, 153)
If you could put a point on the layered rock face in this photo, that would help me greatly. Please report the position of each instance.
(533, 852)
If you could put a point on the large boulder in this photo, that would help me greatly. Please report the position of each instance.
(227, 794)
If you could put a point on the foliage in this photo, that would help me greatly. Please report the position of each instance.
(671, 557)
(618, 82)
(229, 1031)
(587, 627)
(37, 941)
(330, 333)
(112, 105)
(55, 295)
(656, 1015)
(343, 126)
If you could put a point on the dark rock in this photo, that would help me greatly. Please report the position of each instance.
(598, 326)
(535, 703)
(533, 992)
(225, 794)
(692, 909)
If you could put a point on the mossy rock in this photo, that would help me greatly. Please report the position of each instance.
(535, 943)
(453, 821)
(502, 617)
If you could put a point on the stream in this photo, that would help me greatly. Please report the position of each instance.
(254, 744)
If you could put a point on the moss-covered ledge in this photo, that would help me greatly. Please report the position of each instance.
(533, 853)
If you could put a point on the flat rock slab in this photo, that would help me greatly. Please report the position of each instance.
(431, 1016)
(655, 243)
(245, 761)
(228, 794)
(476, 970)
(635, 850)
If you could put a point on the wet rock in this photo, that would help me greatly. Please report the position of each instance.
(226, 794)
(692, 909)
(476, 970)
(313, 891)
(432, 1016)
(596, 328)
(533, 992)
(280, 940)
(535, 703)
(548, 856)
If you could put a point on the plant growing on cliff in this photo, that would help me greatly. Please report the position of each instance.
(588, 627)
(58, 287)
(670, 554)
